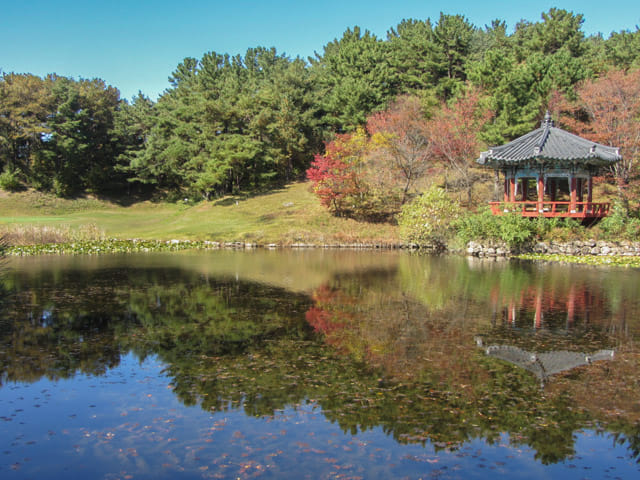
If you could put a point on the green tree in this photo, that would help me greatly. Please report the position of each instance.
(521, 91)
(132, 125)
(622, 49)
(354, 78)
(559, 30)
(174, 138)
(453, 35)
(25, 104)
(413, 55)
(80, 150)
(490, 39)
(230, 124)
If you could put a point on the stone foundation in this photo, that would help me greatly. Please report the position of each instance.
(576, 247)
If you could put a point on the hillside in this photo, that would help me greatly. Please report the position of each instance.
(286, 216)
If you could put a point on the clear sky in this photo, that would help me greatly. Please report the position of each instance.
(136, 44)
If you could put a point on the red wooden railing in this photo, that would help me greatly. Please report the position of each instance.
(552, 209)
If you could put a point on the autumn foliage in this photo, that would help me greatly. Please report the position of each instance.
(403, 147)
(606, 111)
(335, 174)
(455, 135)
(374, 175)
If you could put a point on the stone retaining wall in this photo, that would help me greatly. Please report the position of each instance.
(577, 247)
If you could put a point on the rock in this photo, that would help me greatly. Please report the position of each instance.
(540, 247)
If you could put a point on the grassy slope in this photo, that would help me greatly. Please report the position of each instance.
(286, 216)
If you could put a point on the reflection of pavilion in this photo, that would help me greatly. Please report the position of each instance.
(544, 364)
(577, 301)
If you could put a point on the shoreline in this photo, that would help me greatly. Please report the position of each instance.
(603, 257)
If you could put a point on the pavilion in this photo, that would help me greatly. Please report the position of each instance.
(548, 172)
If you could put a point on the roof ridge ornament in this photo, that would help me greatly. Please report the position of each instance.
(547, 123)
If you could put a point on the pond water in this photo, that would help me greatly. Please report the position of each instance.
(317, 364)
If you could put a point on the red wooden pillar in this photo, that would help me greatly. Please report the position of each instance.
(590, 191)
(506, 188)
(580, 189)
(572, 202)
(525, 188)
(512, 189)
(540, 193)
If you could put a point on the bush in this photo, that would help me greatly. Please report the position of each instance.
(510, 228)
(618, 225)
(9, 180)
(429, 219)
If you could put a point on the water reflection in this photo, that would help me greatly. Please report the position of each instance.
(374, 341)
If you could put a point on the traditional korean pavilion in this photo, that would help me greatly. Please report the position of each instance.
(549, 172)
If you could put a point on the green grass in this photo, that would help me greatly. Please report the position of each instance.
(290, 215)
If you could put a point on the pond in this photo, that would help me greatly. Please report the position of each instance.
(317, 364)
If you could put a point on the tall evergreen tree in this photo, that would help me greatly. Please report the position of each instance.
(622, 49)
(25, 104)
(80, 150)
(354, 78)
(232, 123)
(413, 55)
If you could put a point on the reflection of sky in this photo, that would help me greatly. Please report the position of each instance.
(129, 422)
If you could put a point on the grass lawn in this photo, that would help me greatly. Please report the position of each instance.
(290, 215)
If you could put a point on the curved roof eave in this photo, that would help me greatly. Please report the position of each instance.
(549, 144)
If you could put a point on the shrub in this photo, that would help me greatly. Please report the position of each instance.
(482, 225)
(618, 225)
(429, 219)
(510, 228)
(9, 180)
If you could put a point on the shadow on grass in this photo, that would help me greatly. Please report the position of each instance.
(130, 198)
(243, 197)
(139, 195)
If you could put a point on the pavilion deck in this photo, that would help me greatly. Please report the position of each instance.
(552, 209)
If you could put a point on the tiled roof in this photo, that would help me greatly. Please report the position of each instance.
(550, 143)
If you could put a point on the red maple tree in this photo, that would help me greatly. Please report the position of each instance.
(335, 175)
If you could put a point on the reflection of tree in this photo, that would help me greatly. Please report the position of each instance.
(425, 333)
(53, 333)
(376, 350)
(195, 327)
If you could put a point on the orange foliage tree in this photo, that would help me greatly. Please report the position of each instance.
(607, 111)
(401, 136)
(455, 135)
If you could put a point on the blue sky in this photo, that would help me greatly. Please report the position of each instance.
(136, 44)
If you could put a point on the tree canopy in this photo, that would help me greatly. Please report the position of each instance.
(237, 123)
